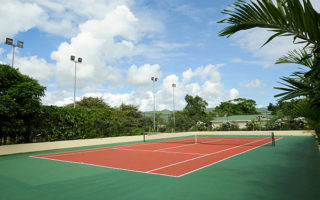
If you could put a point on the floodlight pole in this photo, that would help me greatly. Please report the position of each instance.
(72, 58)
(75, 85)
(174, 117)
(19, 44)
(13, 47)
(154, 79)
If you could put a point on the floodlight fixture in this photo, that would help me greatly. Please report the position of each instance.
(9, 41)
(72, 58)
(20, 44)
(79, 60)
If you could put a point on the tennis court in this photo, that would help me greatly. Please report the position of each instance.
(223, 167)
(169, 156)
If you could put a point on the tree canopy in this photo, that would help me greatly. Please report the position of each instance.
(239, 106)
(195, 107)
(295, 18)
(20, 103)
(92, 102)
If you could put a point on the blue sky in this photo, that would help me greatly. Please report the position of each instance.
(123, 43)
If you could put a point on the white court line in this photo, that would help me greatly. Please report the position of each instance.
(87, 151)
(174, 147)
(204, 155)
(73, 153)
(148, 172)
(159, 151)
(82, 163)
(225, 159)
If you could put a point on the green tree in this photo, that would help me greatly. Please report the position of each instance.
(20, 104)
(239, 106)
(225, 109)
(93, 102)
(195, 108)
(296, 18)
(183, 121)
(272, 108)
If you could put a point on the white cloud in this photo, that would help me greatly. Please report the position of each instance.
(208, 86)
(141, 76)
(252, 40)
(57, 97)
(233, 94)
(35, 67)
(170, 46)
(58, 17)
(264, 63)
(254, 84)
(16, 16)
(203, 73)
(99, 41)
(119, 22)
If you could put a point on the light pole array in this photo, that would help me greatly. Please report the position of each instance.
(73, 58)
(154, 79)
(19, 44)
(174, 117)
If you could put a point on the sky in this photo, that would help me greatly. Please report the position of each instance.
(124, 43)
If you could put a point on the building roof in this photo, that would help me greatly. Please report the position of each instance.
(240, 118)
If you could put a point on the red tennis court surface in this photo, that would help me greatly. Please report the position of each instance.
(170, 159)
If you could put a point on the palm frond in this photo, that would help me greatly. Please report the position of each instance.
(285, 18)
(300, 56)
(294, 87)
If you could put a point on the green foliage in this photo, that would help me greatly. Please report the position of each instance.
(240, 106)
(253, 124)
(285, 108)
(183, 121)
(295, 18)
(284, 17)
(227, 126)
(195, 108)
(302, 83)
(311, 114)
(63, 123)
(286, 115)
(92, 102)
(19, 105)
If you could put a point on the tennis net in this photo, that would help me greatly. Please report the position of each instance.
(266, 138)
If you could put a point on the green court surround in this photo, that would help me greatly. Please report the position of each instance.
(291, 170)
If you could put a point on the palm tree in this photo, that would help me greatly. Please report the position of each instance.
(285, 18)
(301, 83)
(296, 18)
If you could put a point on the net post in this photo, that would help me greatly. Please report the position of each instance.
(273, 140)
(144, 137)
(195, 138)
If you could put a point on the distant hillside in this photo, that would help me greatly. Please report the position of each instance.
(262, 110)
(165, 114)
